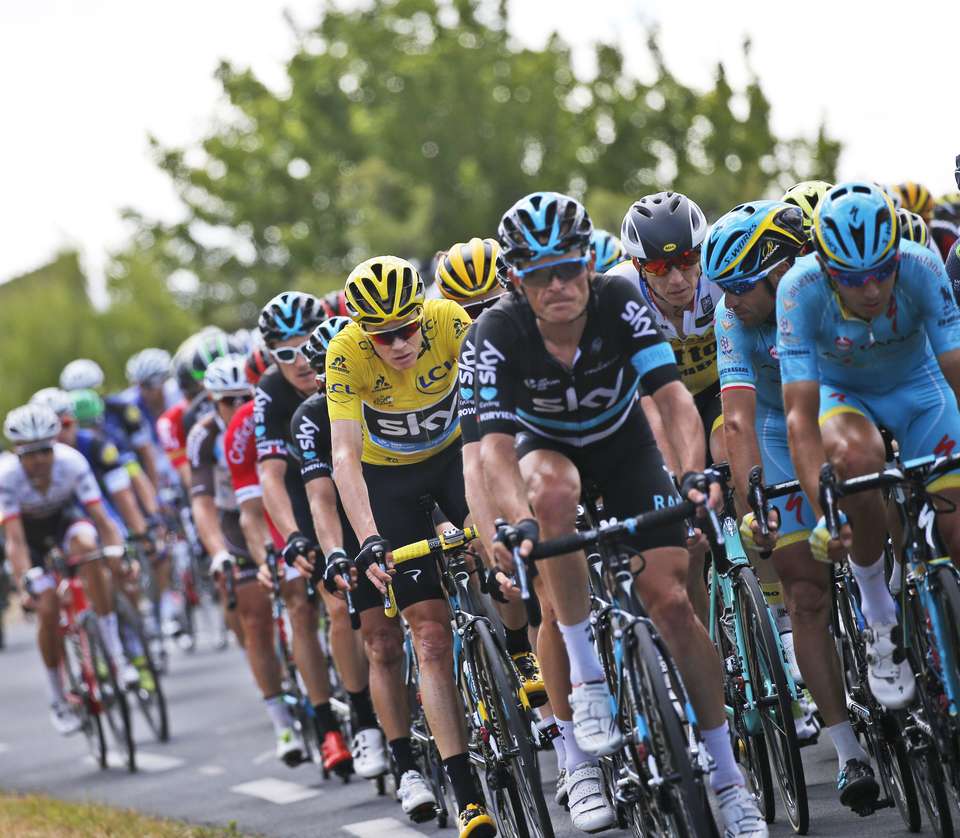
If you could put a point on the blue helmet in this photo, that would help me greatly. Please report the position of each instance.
(289, 315)
(607, 250)
(543, 224)
(315, 349)
(750, 240)
(855, 227)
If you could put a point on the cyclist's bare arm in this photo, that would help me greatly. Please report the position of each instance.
(801, 403)
(346, 436)
(106, 529)
(16, 547)
(478, 495)
(740, 434)
(504, 481)
(322, 495)
(275, 498)
(208, 523)
(682, 425)
(655, 421)
(254, 527)
(126, 504)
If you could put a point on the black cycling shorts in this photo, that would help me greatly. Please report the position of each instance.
(630, 476)
(395, 493)
(711, 412)
(43, 534)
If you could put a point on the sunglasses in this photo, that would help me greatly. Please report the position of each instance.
(404, 333)
(476, 309)
(44, 448)
(233, 400)
(857, 279)
(563, 269)
(739, 287)
(287, 354)
(661, 267)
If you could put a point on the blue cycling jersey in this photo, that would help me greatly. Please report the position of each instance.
(747, 357)
(820, 340)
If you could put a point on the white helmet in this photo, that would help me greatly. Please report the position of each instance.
(227, 376)
(82, 374)
(31, 427)
(57, 400)
(148, 365)
(242, 339)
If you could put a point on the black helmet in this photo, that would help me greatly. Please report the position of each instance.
(290, 314)
(662, 225)
(543, 224)
(194, 356)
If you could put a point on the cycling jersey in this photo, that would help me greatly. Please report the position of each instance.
(407, 415)
(125, 419)
(695, 348)
(108, 464)
(953, 270)
(170, 432)
(200, 405)
(467, 403)
(520, 385)
(944, 235)
(71, 479)
(310, 438)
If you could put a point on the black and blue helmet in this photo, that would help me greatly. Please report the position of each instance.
(290, 314)
(543, 224)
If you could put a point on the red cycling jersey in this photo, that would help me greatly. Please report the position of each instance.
(170, 430)
(240, 452)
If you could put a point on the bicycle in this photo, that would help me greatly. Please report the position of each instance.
(758, 685)
(5, 588)
(502, 736)
(658, 777)
(925, 735)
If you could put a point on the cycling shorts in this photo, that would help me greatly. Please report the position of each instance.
(395, 493)
(711, 412)
(920, 412)
(630, 476)
(796, 514)
(43, 534)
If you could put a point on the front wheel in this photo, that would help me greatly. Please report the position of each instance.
(81, 689)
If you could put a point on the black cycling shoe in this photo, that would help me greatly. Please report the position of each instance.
(858, 787)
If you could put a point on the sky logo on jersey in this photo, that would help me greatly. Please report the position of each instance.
(636, 314)
(487, 360)
(488, 393)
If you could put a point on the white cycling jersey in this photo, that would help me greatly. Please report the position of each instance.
(71, 480)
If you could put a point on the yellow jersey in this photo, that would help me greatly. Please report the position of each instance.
(407, 415)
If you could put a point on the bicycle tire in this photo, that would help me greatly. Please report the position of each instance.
(891, 758)
(931, 789)
(765, 661)
(112, 698)
(514, 726)
(80, 691)
(682, 797)
(152, 703)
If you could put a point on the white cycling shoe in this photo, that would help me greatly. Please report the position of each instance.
(741, 817)
(290, 747)
(590, 811)
(416, 798)
(369, 754)
(64, 720)
(891, 682)
(594, 727)
(128, 674)
(561, 793)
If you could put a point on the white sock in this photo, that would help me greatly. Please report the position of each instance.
(726, 773)
(56, 684)
(559, 748)
(573, 756)
(584, 662)
(111, 636)
(846, 742)
(876, 601)
(279, 713)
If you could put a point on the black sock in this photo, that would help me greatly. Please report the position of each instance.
(461, 778)
(362, 707)
(518, 641)
(327, 720)
(402, 752)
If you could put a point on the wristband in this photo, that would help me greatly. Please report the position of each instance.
(114, 551)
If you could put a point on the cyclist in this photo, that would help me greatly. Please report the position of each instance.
(285, 324)
(915, 229)
(310, 444)
(559, 364)
(153, 391)
(868, 334)
(945, 227)
(806, 195)
(41, 483)
(392, 397)
(916, 198)
(607, 251)
(747, 252)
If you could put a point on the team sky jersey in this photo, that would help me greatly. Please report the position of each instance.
(407, 415)
(953, 270)
(520, 385)
(172, 436)
(108, 464)
(310, 435)
(747, 358)
(696, 347)
(71, 480)
(819, 340)
(467, 405)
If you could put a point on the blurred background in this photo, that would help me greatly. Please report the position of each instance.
(171, 165)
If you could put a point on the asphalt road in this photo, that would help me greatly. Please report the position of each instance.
(219, 766)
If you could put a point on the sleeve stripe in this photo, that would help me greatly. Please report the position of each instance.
(651, 357)
(739, 385)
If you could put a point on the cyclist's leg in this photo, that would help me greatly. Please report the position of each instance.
(346, 648)
(253, 609)
(47, 608)
(307, 654)
(383, 642)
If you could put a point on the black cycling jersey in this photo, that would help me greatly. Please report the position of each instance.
(310, 438)
(953, 269)
(200, 406)
(275, 403)
(467, 403)
(519, 385)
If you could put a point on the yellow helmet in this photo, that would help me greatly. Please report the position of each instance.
(383, 289)
(468, 269)
(916, 198)
(913, 227)
(806, 195)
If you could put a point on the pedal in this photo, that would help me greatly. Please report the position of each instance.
(344, 770)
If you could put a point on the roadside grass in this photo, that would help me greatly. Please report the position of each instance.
(36, 816)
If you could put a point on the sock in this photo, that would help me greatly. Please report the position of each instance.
(362, 707)
(558, 746)
(461, 778)
(846, 742)
(111, 636)
(574, 756)
(326, 720)
(717, 742)
(584, 663)
(56, 684)
(773, 593)
(402, 753)
(518, 641)
(875, 600)
(278, 712)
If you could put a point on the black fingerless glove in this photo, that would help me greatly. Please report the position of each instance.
(297, 545)
(337, 565)
(373, 551)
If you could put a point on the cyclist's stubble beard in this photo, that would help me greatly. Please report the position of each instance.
(403, 357)
(542, 300)
(295, 375)
(39, 468)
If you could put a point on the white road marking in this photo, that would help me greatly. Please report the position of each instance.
(276, 791)
(211, 770)
(379, 827)
(146, 762)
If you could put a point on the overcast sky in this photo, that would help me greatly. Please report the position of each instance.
(85, 81)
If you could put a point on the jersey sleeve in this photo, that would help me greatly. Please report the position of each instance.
(240, 452)
(733, 352)
(9, 503)
(495, 383)
(467, 402)
(107, 457)
(454, 322)
(270, 431)
(798, 312)
(310, 432)
(343, 376)
(86, 487)
(201, 464)
(930, 286)
(172, 439)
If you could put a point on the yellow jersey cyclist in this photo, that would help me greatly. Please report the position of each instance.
(395, 431)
